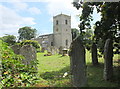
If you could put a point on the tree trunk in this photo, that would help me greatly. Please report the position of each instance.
(94, 54)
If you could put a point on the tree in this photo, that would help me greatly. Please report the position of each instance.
(10, 39)
(26, 33)
(75, 33)
(107, 28)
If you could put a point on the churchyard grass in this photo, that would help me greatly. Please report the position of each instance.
(52, 69)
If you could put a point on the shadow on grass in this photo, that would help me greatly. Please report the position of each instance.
(95, 76)
(57, 79)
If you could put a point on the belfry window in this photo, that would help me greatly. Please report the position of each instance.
(66, 22)
(52, 44)
(66, 42)
(56, 22)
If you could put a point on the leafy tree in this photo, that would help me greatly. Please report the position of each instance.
(87, 38)
(10, 39)
(108, 27)
(26, 33)
(75, 33)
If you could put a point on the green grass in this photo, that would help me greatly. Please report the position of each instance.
(52, 68)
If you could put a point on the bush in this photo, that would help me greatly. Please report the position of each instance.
(30, 42)
(10, 39)
(14, 72)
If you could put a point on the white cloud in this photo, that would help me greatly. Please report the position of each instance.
(19, 5)
(10, 21)
(34, 10)
(64, 6)
(22, 6)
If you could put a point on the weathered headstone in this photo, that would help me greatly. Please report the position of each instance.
(60, 50)
(77, 63)
(29, 52)
(94, 54)
(108, 60)
(16, 49)
(51, 50)
(43, 49)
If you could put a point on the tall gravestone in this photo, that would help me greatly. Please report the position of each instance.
(94, 54)
(108, 60)
(29, 52)
(77, 63)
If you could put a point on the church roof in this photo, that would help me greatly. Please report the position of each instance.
(61, 15)
(45, 35)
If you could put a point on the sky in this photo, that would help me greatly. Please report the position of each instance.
(38, 14)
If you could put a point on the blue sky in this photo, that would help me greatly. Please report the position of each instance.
(38, 14)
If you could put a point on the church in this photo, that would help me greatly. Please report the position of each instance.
(61, 36)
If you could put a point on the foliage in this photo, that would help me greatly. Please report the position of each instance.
(14, 72)
(75, 33)
(30, 42)
(108, 27)
(10, 39)
(26, 33)
(87, 38)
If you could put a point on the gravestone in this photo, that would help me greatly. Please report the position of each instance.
(77, 63)
(51, 50)
(29, 52)
(94, 54)
(108, 60)
(42, 49)
(60, 50)
(16, 49)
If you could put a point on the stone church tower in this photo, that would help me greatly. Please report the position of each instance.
(62, 30)
(61, 36)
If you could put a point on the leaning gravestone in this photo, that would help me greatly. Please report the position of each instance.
(94, 54)
(108, 60)
(77, 63)
(29, 52)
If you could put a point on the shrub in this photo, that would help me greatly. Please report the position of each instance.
(30, 42)
(14, 72)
